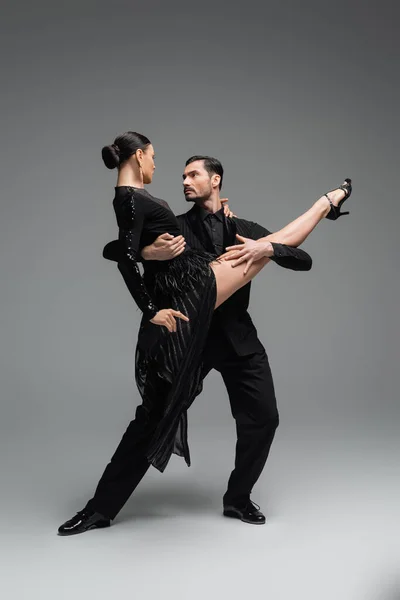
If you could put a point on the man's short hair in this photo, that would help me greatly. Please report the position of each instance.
(211, 165)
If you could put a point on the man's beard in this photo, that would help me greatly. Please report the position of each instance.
(198, 199)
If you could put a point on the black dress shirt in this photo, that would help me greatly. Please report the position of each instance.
(214, 225)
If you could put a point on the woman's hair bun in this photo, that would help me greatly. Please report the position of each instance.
(111, 156)
(123, 147)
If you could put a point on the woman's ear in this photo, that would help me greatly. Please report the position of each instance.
(139, 156)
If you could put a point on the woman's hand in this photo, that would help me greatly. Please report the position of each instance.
(248, 251)
(227, 210)
(166, 317)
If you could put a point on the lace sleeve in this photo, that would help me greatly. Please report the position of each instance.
(130, 220)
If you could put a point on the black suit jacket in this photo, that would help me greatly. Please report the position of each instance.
(231, 324)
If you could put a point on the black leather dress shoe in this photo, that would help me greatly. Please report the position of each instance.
(249, 514)
(83, 521)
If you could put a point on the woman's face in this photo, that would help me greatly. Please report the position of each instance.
(147, 163)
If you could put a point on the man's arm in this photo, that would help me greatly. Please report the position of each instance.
(165, 247)
(292, 235)
(283, 255)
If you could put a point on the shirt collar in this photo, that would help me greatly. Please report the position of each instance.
(203, 213)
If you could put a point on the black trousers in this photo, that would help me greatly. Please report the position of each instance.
(251, 393)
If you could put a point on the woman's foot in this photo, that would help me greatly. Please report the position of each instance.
(336, 198)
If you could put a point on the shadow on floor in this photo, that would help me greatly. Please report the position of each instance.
(170, 501)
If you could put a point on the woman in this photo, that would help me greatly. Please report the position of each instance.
(177, 297)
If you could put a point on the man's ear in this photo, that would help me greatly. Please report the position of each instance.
(215, 180)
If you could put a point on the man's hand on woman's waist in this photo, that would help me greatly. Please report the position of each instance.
(165, 247)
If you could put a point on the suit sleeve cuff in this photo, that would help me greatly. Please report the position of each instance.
(279, 250)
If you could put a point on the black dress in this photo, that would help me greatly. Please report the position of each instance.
(185, 283)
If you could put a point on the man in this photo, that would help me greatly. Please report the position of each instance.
(233, 348)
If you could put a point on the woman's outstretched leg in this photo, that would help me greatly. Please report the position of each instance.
(229, 279)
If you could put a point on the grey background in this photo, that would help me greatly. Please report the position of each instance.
(292, 97)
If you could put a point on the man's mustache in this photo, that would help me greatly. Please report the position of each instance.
(188, 189)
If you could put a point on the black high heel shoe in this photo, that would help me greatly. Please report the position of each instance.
(335, 213)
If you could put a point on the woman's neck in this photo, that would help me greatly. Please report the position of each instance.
(127, 176)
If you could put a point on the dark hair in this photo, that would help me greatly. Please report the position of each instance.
(123, 147)
(211, 165)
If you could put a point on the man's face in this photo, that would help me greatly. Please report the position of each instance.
(197, 182)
